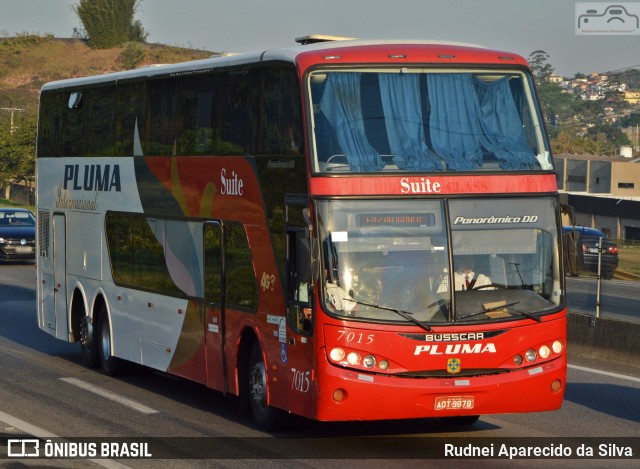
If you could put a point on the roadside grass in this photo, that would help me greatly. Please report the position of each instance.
(11, 203)
(629, 258)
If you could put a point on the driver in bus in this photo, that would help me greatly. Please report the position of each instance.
(338, 298)
(465, 276)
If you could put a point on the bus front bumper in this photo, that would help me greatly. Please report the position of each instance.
(345, 394)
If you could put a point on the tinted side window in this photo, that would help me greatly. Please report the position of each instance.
(78, 122)
(137, 257)
(241, 289)
(131, 112)
(163, 111)
(280, 113)
(196, 115)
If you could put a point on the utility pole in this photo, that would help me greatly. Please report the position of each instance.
(12, 110)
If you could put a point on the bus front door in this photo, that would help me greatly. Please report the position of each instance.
(297, 348)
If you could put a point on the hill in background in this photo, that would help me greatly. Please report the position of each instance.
(29, 61)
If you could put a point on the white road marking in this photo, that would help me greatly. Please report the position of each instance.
(143, 409)
(606, 373)
(38, 432)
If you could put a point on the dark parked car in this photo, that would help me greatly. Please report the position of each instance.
(589, 239)
(17, 234)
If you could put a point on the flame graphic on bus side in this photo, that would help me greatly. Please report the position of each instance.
(179, 247)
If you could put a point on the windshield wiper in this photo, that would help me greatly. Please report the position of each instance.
(505, 307)
(488, 310)
(404, 314)
(527, 314)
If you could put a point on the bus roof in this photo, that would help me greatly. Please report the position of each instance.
(329, 51)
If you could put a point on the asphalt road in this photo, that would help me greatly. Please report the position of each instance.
(46, 392)
(618, 298)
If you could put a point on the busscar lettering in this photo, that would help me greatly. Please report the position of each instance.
(455, 349)
(92, 177)
(454, 337)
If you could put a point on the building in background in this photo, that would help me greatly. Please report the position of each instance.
(604, 191)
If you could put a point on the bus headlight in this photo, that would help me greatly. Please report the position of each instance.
(530, 355)
(336, 354)
(544, 351)
(557, 346)
(353, 358)
(369, 361)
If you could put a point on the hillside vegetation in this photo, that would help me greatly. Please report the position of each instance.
(29, 61)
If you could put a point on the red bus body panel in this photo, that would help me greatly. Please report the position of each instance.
(369, 396)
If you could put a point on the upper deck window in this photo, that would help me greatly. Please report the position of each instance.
(425, 121)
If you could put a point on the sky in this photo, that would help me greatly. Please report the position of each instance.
(519, 26)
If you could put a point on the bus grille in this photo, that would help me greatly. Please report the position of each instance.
(445, 374)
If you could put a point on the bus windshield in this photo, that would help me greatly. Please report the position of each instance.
(407, 119)
(393, 260)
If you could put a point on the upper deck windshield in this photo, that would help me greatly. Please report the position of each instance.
(392, 260)
(418, 120)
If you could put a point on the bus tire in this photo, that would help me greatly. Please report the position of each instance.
(461, 420)
(88, 343)
(110, 365)
(265, 416)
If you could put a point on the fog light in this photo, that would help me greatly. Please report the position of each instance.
(369, 361)
(353, 358)
(337, 354)
(384, 364)
(556, 385)
(544, 351)
(557, 346)
(338, 395)
(517, 359)
(530, 355)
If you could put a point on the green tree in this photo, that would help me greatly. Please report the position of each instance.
(109, 23)
(632, 119)
(540, 66)
(555, 103)
(18, 149)
(131, 56)
(612, 134)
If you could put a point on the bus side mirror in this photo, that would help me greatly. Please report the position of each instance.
(573, 253)
(313, 247)
(567, 215)
(315, 260)
(573, 257)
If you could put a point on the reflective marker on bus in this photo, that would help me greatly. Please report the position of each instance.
(342, 230)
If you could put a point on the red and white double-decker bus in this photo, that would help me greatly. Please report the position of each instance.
(343, 230)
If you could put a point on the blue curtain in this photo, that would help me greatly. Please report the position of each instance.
(400, 94)
(343, 109)
(502, 130)
(454, 120)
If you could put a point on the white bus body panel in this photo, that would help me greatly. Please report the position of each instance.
(145, 326)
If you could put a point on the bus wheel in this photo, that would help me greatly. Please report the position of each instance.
(88, 344)
(267, 417)
(110, 364)
(462, 420)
